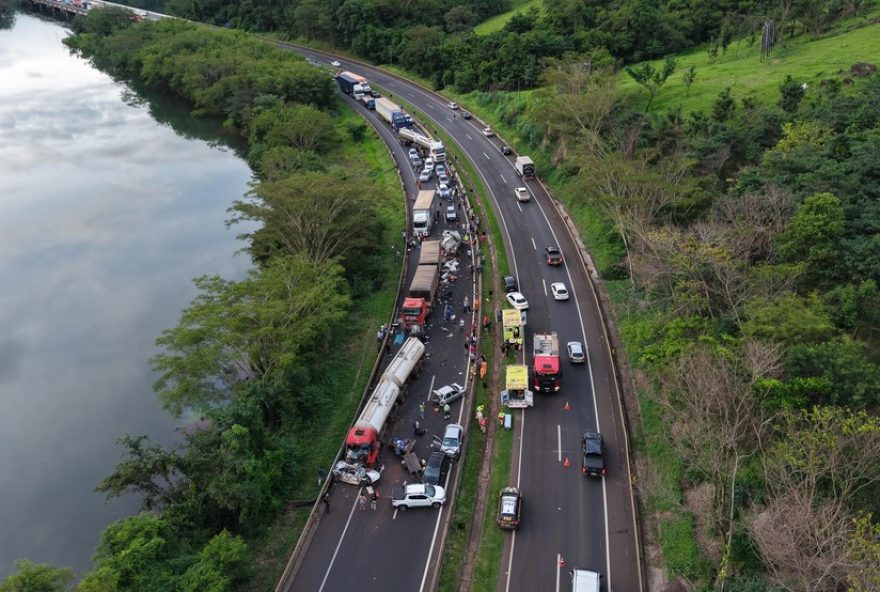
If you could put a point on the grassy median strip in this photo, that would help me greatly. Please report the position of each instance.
(348, 373)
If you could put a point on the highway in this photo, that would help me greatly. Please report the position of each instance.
(383, 549)
(587, 523)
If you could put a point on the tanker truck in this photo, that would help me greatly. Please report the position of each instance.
(362, 443)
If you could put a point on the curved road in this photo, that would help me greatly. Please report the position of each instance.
(590, 523)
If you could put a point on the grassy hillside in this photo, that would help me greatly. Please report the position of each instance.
(497, 22)
(747, 75)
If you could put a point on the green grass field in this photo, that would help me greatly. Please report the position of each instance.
(747, 75)
(497, 22)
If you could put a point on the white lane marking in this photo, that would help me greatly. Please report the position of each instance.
(558, 569)
(430, 106)
(503, 179)
(431, 388)
(522, 429)
(411, 94)
(595, 404)
(559, 442)
(468, 136)
(534, 246)
(544, 283)
(449, 119)
(487, 156)
(338, 545)
(431, 550)
(520, 207)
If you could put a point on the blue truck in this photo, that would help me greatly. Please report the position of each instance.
(346, 82)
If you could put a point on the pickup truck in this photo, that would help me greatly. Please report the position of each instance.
(417, 495)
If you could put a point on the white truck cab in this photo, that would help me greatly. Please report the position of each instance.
(583, 580)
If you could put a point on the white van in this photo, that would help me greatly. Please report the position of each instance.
(583, 580)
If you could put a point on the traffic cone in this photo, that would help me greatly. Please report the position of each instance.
(561, 561)
(566, 464)
(567, 407)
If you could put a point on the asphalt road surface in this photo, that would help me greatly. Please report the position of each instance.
(587, 523)
(383, 549)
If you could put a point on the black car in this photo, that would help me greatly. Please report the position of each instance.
(506, 151)
(435, 470)
(510, 284)
(466, 114)
(554, 255)
(593, 463)
(509, 508)
(375, 94)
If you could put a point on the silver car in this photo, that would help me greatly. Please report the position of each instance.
(426, 175)
(576, 352)
(453, 438)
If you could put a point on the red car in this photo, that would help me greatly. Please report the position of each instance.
(554, 256)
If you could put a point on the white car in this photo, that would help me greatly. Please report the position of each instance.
(518, 301)
(522, 194)
(576, 352)
(443, 191)
(560, 292)
(418, 495)
(413, 154)
(426, 175)
(453, 106)
(440, 169)
(354, 474)
(451, 214)
(443, 179)
(429, 164)
(335, 64)
(487, 131)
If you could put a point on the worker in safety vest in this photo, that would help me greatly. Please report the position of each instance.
(447, 410)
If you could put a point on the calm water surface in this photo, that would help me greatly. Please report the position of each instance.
(105, 216)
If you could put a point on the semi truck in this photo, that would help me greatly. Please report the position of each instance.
(516, 394)
(346, 82)
(547, 371)
(419, 301)
(525, 167)
(392, 113)
(423, 212)
(363, 441)
(435, 149)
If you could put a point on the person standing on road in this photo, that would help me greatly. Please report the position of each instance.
(421, 411)
(373, 499)
(362, 501)
(447, 411)
(326, 499)
(461, 325)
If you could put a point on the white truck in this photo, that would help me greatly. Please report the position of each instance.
(392, 113)
(525, 167)
(423, 212)
(435, 149)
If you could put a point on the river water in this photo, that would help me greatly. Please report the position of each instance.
(108, 208)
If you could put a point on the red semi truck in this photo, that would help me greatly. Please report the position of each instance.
(363, 441)
(547, 371)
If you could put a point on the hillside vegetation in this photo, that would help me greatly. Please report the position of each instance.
(499, 21)
(810, 61)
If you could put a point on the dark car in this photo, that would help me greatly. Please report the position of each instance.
(466, 114)
(509, 508)
(506, 151)
(375, 94)
(435, 470)
(554, 255)
(510, 284)
(593, 463)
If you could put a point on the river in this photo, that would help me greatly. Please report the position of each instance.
(109, 206)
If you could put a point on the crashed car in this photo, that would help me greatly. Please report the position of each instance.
(447, 394)
(355, 474)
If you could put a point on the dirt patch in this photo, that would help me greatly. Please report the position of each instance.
(699, 503)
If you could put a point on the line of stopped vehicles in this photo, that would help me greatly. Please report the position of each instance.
(437, 267)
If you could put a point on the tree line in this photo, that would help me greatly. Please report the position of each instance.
(435, 38)
(247, 357)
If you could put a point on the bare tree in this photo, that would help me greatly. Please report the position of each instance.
(804, 542)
